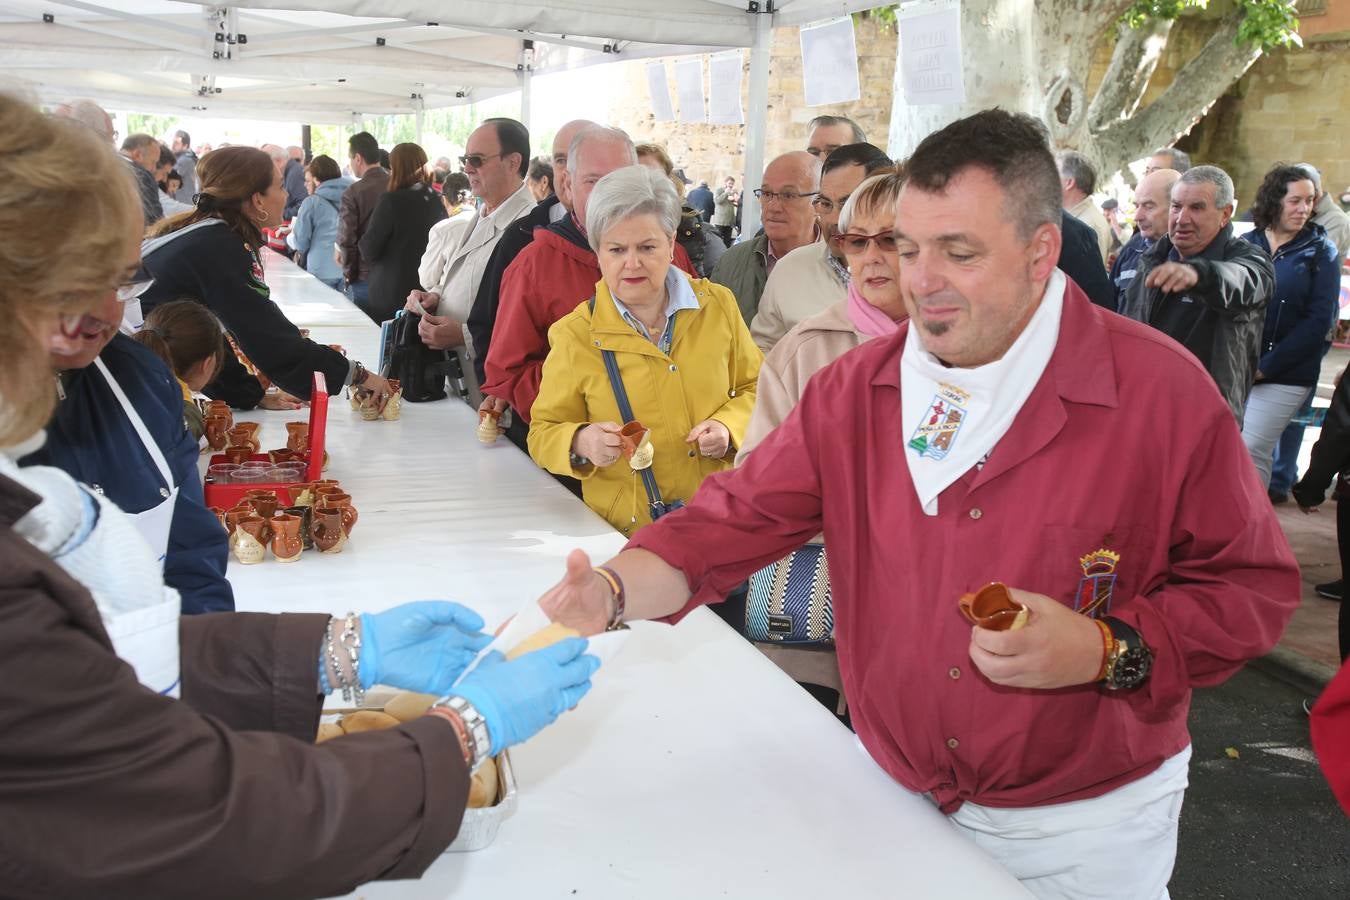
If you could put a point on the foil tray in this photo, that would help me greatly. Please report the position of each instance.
(479, 827)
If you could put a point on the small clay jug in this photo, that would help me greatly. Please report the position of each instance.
(250, 540)
(302, 494)
(488, 428)
(233, 516)
(242, 436)
(282, 454)
(216, 431)
(219, 408)
(324, 488)
(306, 517)
(238, 455)
(264, 501)
(342, 503)
(286, 543)
(993, 607)
(326, 527)
(220, 515)
(297, 436)
(393, 407)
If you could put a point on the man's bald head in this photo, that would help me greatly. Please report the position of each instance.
(1152, 198)
(561, 142)
(789, 183)
(89, 114)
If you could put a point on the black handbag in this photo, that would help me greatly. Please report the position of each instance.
(420, 370)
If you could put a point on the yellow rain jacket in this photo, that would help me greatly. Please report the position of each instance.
(709, 374)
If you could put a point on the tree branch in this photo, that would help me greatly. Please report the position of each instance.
(1069, 31)
(1190, 95)
(1133, 61)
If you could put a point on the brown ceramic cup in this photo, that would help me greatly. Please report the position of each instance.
(993, 607)
(630, 437)
(342, 503)
(286, 542)
(264, 501)
(326, 529)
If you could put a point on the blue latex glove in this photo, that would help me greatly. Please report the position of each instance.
(521, 697)
(421, 646)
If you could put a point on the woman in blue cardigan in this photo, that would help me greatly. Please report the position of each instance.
(1300, 313)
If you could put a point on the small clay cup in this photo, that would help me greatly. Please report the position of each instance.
(233, 516)
(250, 540)
(297, 436)
(993, 607)
(342, 503)
(488, 428)
(264, 501)
(306, 517)
(630, 437)
(242, 436)
(216, 430)
(286, 543)
(326, 528)
(238, 455)
(283, 454)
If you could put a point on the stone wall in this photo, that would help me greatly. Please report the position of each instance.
(711, 152)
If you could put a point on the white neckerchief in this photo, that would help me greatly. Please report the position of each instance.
(951, 417)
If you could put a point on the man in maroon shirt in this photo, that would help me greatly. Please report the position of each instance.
(1092, 466)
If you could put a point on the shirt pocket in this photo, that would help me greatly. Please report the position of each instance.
(1091, 568)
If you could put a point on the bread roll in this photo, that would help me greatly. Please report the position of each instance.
(544, 637)
(328, 731)
(407, 705)
(366, 720)
(483, 785)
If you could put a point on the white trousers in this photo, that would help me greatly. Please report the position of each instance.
(1269, 409)
(1119, 846)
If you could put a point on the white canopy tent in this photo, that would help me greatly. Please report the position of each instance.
(336, 61)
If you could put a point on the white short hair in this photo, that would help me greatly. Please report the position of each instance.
(1223, 185)
(627, 192)
(598, 133)
(89, 114)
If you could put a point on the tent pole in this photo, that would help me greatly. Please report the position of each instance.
(417, 121)
(755, 124)
(526, 73)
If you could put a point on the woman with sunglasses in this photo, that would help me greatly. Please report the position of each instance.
(211, 253)
(148, 755)
(119, 429)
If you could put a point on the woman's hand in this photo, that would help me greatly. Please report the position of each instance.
(712, 437)
(598, 442)
(279, 400)
(421, 646)
(440, 332)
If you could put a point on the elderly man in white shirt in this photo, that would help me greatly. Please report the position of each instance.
(496, 158)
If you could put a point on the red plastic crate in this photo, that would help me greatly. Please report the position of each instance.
(224, 496)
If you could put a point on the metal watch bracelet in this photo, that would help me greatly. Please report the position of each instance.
(475, 724)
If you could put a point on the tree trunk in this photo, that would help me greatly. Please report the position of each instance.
(998, 45)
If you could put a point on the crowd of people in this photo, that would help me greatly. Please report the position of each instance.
(903, 363)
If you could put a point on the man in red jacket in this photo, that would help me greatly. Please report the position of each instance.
(1010, 431)
(557, 271)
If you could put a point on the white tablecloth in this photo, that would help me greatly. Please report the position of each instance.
(694, 769)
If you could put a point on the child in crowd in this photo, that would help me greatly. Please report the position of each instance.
(189, 338)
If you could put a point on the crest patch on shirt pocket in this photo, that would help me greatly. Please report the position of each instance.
(1090, 569)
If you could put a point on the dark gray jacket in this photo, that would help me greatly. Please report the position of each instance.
(1220, 318)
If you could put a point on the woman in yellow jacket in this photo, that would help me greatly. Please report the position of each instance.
(684, 356)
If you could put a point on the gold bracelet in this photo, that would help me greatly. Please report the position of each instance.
(1108, 644)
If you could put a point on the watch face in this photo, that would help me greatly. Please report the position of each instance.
(1132, 667)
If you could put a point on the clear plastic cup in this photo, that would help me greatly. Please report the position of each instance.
(283, 475)
(249, 476)
(257, 464)
(222, 473)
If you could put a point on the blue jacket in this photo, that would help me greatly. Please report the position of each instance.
(1302, 309)
(315, 228)
(91, 439)
(1127, 264)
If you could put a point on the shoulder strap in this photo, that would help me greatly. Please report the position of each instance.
(626, 411)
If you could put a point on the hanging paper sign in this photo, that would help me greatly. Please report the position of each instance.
(830, 62)
(659, 89)
(724, 74)
(689, 87)
(930, 52)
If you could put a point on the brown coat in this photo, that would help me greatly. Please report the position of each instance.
(108, 790)
(358, 205)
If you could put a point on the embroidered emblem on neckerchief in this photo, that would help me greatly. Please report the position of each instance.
(1098, 582)
(946, 414)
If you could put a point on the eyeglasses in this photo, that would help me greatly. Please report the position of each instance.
(825, 206)
(853, 244)
(780, 196)
(139, 282)
(477, 159)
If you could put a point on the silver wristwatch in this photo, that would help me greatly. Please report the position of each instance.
(474, 724)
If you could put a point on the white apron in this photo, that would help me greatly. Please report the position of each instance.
(154, 523)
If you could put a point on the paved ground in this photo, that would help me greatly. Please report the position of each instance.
(1263, 825)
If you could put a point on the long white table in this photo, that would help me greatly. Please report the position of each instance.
(694, 768)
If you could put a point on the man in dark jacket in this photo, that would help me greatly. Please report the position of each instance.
(93, 440)
(358, 204)
(1204, 287)
(1081, 260)
(185, 164)
(141, 154)
(701, 199)
(293, 180)
(1152, 200)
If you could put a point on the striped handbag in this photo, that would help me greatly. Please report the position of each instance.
(789, 601)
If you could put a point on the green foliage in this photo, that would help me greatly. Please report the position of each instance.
(883, 15)
(1269, 23)
(158, 127)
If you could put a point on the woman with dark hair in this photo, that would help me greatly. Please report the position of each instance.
(540, 178)
(315, 227)
(397, 235)
(1299, 315)
(212, 253)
